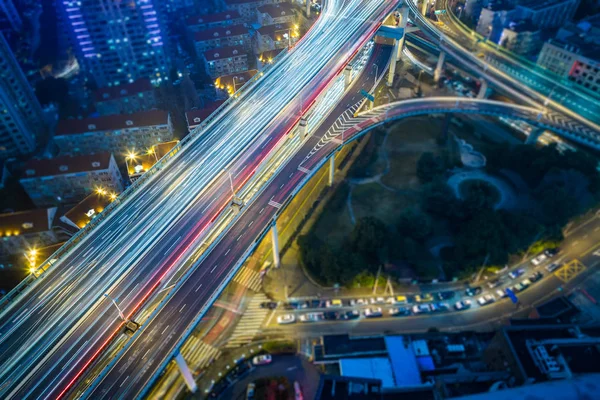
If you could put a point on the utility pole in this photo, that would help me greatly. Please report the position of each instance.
(376, 280)
(121, 315)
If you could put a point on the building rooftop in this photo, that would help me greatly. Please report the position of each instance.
(277, 10)
(234, 80)
(112, 122)
(276, 31)
(213, 18)
(340, 346)
(120, 91)
(268, 56)
(522, 25)
(87, 209)
(348, 388)
(224, 52)
(143, 162)
(221, 32)
(403, 361)
(26, 222)
(370, 368)
(194, 117)
(66, 165)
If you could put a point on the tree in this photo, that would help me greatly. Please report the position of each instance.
(438, 199)
(429, 167)
(370, 239)
(479, 195)
(414, 224)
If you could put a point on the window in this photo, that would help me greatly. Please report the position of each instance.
(95, 164)
(91, 127)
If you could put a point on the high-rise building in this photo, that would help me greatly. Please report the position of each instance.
(20, 112)
(118, 41)
(9, 17)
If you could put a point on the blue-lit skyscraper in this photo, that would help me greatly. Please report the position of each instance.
(117, 41)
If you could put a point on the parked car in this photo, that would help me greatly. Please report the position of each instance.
(423, 297)
(271, 305)
(398, 300)
(335, 303)
(331, 315)
(373, 312)
(473, 291)
(446, 295)
(525, 283)
(501, 293)
(421, 309)
(553, 267)
(359, 302)
(377, 300)
(262, 360)
(486, 299)
(536, 276)
(494, 283)
(463, 304)
(312, 317)
(518, 288)
(286, 319)
(516, 273)
(540, 258)
(439, 307)
(551, 252)
(352, 314)
(399, 311)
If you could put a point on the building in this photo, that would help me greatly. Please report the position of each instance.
(69, 179)
(279, 13)
(118, 41)
(21, 119)
(547, 13)
(10, 20)
(494, 18)
(225, 61)
(278, 36)
(21, 232)
(228, 36)
(267, 58)
(119, 134)
(247, 8)
(195, 117)
(87, 209)
(228, 84)
(521, 37)
(127, 98)
(199, 23)
(137, 165)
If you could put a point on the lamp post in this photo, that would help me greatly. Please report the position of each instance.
(121, 315)
(129, 157)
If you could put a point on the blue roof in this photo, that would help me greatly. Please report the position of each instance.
(372, 368)
(404, 362)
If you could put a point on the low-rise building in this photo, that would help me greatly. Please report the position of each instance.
(199, 23)
(226, 36)
(278, 36)
(25, 231)
(225, 61)
(69, 179)
(138, 164)
(118, 134)
(547, 13)
(87, 209)
(279, 13)
(247, 8)
(267, 58)
(494, 18)
(195, 117)
(228, 84)
(521, 37)
(126, 99)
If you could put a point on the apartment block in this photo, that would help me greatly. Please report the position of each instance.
(228, 36)
(225, 61)
(199, 23)
(278, 36)
(127, 98)
(279, 13)
(24, 231)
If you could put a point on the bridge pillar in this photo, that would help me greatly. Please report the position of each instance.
(392, 70)
(347, 76)
(307, 8)
(424, 7)
(439, 67)
(275, 240)
(403, 22)
(534, 136)
(331, 169)
(186, 373)
(483, 90)
(303, 127)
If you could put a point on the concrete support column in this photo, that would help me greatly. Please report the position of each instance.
(186, 373)
(307, 8)
(403, 22)
(331, 169)
(534, 136)
(275, 240)
(392, 70)
(439, 67)
(347, 76)
(424, 7)
(303, 127)
(483, 90)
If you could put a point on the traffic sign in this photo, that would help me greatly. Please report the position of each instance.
(367, 95)
(438, 12)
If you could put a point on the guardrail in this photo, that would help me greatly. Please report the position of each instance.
(81, 234)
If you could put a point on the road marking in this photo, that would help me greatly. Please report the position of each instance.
(574, 243)
(174, 243)
(145, 354)
(211, 271)
(181, 309)
(570, 270)
(209, 204)
(275, 204)
(239, 237)
(270, 318)
(124, 380)
(305, 170)
(227, 252)
(250, 224)
(282, 185)
(261, 210)
(198, 288)
(167, 327)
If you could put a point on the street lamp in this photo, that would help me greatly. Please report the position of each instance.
(460, 10)
(121, 315)
(130, 157)
(152, 151)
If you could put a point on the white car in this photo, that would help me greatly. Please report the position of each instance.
(373, 312)
(463, 304)
(539, 259)
(501, 293)
(358, 302)
(377, 300)
(312, 317)
(262, 360)
(553, 267)
(421, 308)
(286, 319)
(486, 299)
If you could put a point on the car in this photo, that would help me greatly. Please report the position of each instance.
(316, 303)
(447, 295)
(286, 319)
(553, 267)
(271, 305)
(398, 300)
(359, 302)
(374, 312)
(312, 317)
(421, 309)
(473, 291)
(517, 288)
(301, 305)
(501, 293)
(463, 304)
(440, 307)
(536, 276)
(551, 252)
(424, 297)
(494, 283)
(537, 260)
(352, 314)
(486, 299)
(399, 311)
(377, 300)
(331, 315)
(526, 283)
(262, 360)
(250, 389)
(516, 273)
(335, 303)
